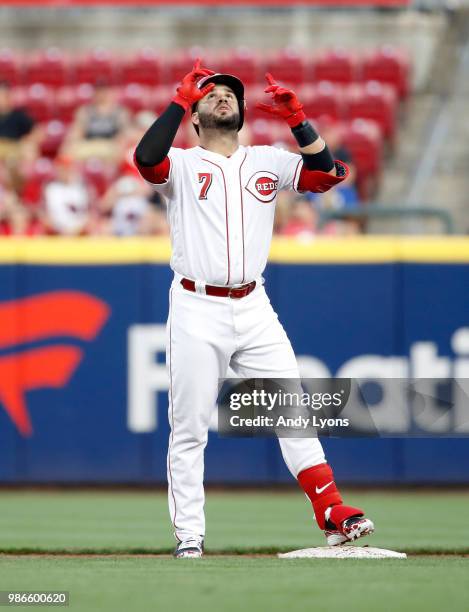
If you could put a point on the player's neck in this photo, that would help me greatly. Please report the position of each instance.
(223, 143)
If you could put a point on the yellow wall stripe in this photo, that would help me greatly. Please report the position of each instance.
(363, 249)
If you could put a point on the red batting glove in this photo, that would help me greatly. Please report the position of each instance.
(286, 105)
(188, 93)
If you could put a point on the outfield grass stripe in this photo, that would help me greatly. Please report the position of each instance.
(77, 522)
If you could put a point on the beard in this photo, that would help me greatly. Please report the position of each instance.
(227, 123)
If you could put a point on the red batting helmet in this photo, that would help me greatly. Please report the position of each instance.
(233, 83)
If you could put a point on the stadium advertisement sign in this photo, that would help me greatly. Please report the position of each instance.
(83, 382)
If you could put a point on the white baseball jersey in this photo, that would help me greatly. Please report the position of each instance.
(221, 210)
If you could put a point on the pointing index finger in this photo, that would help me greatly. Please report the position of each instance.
(198, 74)
(270, 79)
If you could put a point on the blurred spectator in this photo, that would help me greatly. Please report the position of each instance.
(99, 127)
(128, 207)
(302, 221)
(67, 207)
(15, 219)
(298, 217)
(15, 125)
(19, 138)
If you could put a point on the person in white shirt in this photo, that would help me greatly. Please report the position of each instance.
(66, 201)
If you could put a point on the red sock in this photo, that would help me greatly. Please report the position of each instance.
(318, 484)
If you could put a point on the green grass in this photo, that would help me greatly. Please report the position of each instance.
(139, 522)
(125, 523)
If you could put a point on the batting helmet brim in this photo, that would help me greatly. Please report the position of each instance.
(230, 81)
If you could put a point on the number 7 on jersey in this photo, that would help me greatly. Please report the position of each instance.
(206, 179)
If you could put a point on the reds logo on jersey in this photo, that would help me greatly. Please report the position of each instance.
(263, 186)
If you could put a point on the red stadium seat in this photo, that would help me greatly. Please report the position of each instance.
(54, 134)
(135, 97)
(39, 102)
(323, 100)
(287, 66)
(50, 67)
(18, 95)
(36, 175)
(10, 67)
(68, 99)
(243, 63)
(376, 102)
(390, 66)
(364, 142)
(84, 93)
(98, 66)
(67, 102)
(145, 68)
(337, 65)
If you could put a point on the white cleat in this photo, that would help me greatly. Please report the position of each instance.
(350, 530)
(192, 548)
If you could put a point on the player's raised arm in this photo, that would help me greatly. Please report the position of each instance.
(320, 172)
(155, 144)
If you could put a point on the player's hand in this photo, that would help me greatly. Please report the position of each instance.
(188, 93)
(285, 103)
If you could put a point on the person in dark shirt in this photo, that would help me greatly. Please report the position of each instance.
(16, 126)
(15, 123)
(98, 128)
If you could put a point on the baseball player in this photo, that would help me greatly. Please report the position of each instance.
(221, 204)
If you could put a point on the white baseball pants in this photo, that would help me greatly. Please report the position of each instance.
(206, 335)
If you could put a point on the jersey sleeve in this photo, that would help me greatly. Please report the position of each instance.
(320, 182)
(288, 167)
(160, 177)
